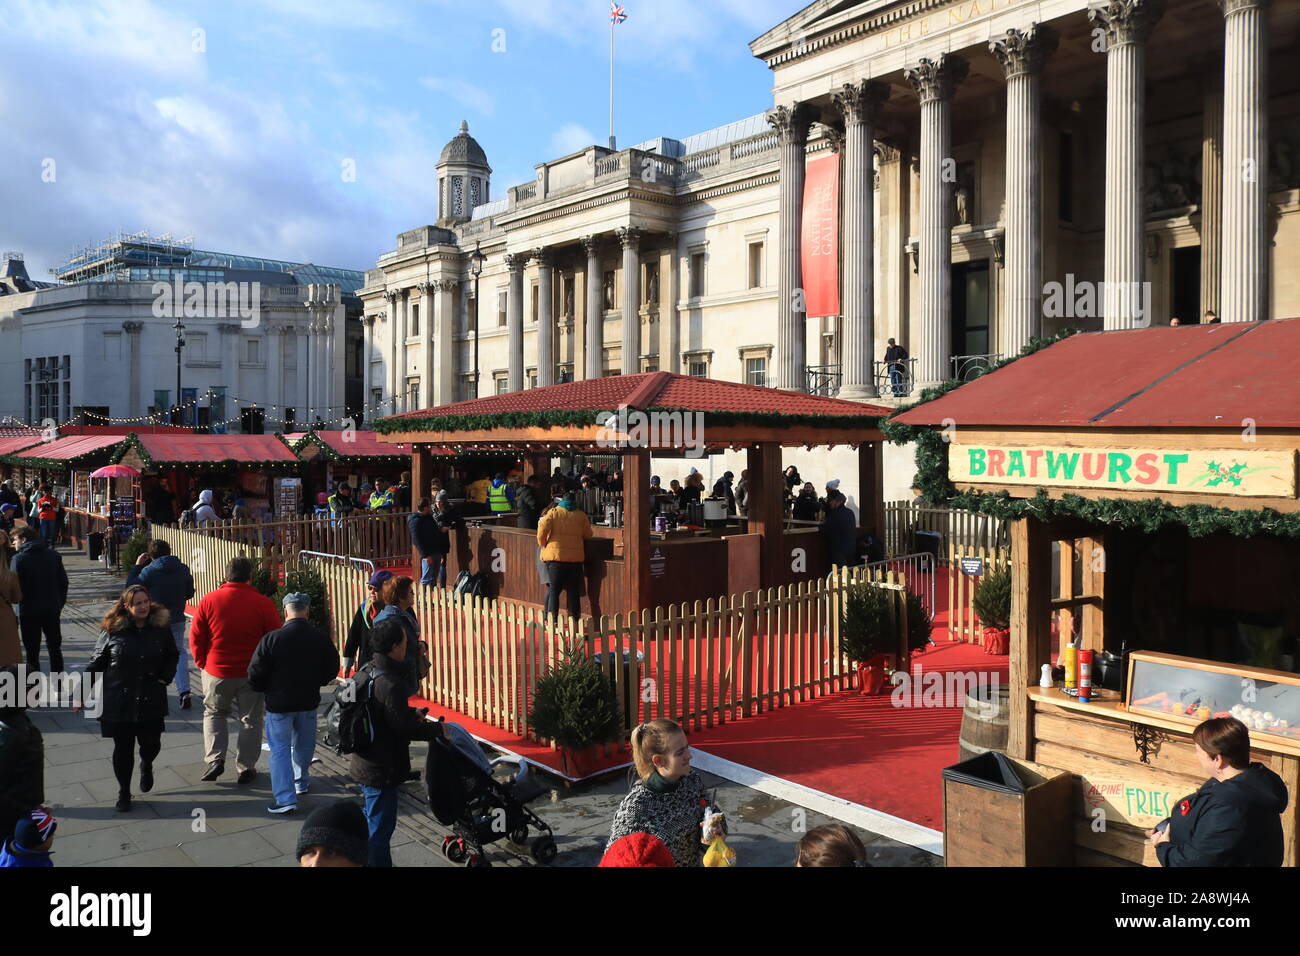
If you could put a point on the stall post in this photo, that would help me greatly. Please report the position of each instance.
(871, 487)
(636, 526)
(1031, 635)
(767, 509)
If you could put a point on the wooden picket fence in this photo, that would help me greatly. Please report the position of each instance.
(955, 527)
(381, 538)
(206, 555)
(963, 623)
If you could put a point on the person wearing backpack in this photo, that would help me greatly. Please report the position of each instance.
(289, 666)
(383, 764)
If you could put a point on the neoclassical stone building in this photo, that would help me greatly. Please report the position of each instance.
(997, 161)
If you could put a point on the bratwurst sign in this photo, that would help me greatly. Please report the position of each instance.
(1236, 471)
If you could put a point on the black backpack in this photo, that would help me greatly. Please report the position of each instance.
(349, 721)
(472, 585)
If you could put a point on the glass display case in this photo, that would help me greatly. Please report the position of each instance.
(1189, 691)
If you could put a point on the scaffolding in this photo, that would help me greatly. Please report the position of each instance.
(113, 258)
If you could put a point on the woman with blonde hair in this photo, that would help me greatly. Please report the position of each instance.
(665, 800)
(137, 655)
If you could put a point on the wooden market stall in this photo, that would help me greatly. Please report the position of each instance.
(357, 457)
(630, 566)
(1151, 476)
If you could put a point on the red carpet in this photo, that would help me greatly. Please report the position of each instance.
(862, 749)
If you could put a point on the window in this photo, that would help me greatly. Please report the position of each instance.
(254, 351)
(698, 369)
(502, 381)
(650, 365)
(697, 275)
(467, 388)
(112, 346)
(612, 362)
(196, 346)
(413, 393)
(414, 330)
(501, 309)
(535, 301)
(756, 371)
(531, 377)
(471, 314)
(755, 265)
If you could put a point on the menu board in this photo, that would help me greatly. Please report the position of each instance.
(123, 514)
(288, 498)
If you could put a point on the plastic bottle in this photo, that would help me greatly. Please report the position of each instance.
(1085, 676)
(1070, 655)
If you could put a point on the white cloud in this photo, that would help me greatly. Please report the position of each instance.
(570, 138)
(464, 93)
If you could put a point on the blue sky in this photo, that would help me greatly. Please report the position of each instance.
(233, 121)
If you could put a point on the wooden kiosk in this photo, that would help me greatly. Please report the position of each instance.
(1152, 474)
(634, 567)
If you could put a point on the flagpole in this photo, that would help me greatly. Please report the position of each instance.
(611, 82)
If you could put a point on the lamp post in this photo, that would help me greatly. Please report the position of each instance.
(476, 260)
(180, 344)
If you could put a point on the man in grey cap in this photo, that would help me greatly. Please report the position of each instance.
(289, 666)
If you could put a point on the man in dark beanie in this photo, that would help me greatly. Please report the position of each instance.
(335, 834)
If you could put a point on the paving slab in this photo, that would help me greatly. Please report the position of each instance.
(231, 850)
(93, 846)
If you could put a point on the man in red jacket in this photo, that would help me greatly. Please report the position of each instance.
(225, 632)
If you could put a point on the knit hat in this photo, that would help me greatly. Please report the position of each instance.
(298, 598)
(34, 829)
(338, 826)
(833, 484)
(637, 849)
(379, 577)
(8, 507)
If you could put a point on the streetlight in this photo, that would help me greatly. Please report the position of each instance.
(476, 260)
(180, 344)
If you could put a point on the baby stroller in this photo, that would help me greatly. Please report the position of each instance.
(480, 809)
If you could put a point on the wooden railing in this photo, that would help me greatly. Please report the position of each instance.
(955, 528)
(78, 524)
(206, 555)
(963, 623)
(381, 538)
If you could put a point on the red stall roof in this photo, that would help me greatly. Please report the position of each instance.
(362, 444)
(71, 447)
(15, 443)
(179, 448)
(1201, 376)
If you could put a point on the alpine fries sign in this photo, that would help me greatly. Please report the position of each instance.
(1219, 471)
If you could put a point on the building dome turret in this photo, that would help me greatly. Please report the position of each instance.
(464, 177)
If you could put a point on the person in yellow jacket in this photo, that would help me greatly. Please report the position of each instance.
(561, 534)
(476, 495)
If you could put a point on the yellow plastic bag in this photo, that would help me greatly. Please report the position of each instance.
(719, 854)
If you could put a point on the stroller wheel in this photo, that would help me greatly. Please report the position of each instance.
(544, 849)
(453, 848)
(520, 835)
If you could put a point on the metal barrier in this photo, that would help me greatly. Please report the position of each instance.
(365, 564)
(918, 571)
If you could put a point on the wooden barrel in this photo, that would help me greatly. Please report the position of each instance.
(984, 722)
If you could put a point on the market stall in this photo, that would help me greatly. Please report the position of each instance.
(635, 562)
(1151, 476)
(355, 457)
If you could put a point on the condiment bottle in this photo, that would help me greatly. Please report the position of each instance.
(1070, 654)
(1085, 675)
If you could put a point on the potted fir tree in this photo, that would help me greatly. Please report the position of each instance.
(866, 638)
(919, 623)
(993, 606)
(574, 705)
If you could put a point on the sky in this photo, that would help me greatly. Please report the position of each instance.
(308, 130)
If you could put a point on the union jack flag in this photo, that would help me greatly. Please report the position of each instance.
(616, 13)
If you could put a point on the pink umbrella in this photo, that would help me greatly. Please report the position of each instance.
(115, 471)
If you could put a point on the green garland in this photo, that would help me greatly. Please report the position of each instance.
(329, 453)
(1147, 514)
(581, 418)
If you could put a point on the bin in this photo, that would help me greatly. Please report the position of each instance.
(926, 542)
(94, 545)
(631, 690)
(1000, 811)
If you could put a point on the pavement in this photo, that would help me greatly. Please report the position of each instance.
(185, 822)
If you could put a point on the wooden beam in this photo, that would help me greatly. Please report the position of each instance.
(593, 434)
(1031, 582)
(767, 509)
(636, 527)
(871, 487)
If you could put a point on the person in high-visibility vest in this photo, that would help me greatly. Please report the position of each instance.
(501, 497)
(341, 503)
(381, 499)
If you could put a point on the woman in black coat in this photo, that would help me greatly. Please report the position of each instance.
(137, 656)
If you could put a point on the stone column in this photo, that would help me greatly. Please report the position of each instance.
(934, 82)
(443, 384)
(391, 404)
(427, 338)
(332, 319)
(275, 370)
(545, 317)
(859, 104)
(302, 394)
(1244, 285)
(1126, 24)
(1211, 187)
(367, 349)
(515, 262)
(403, 359)
(132, 330)
(630, 236)
(791, 125)
(594, 341)
(1021, 53)
(670, 357)
(230, 339)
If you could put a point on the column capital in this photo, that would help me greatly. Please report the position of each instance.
(937, 79)
(132, 328)
(591, 244)
(391, 296)
(860, 102)
(1024, 51)
(1126, 21)
(887, 152)
(1237, 6)
(835, 135)
(791, 122)
(445, 285)
(515, 261)
(544, 256)
(630, 236)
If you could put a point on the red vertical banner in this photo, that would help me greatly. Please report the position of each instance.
(819, 242)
